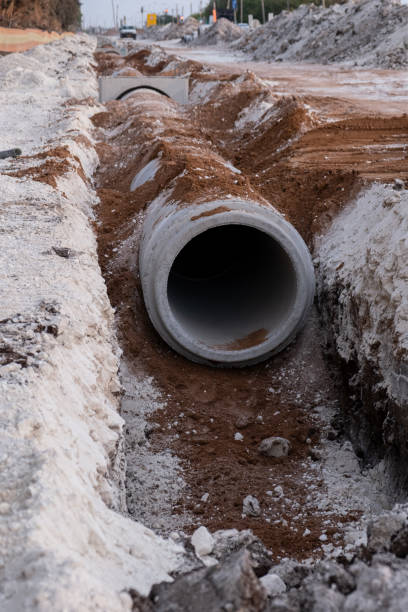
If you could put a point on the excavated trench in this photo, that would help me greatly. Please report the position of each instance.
(201, 426)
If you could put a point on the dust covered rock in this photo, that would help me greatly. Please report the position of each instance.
(232, 586)
(274, 447)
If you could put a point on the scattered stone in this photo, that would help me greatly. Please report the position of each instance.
(238, 437)
(314, 454)
(273, 585)
(398, 185)
(278, 491)
(251, 506)
(205, 497)
(202, 541)
(274, 447)
(243, 421)
(64, 252)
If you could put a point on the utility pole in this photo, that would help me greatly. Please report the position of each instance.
(242, 11)
(324, 3)
(113, 13)
(263, 11)
(288, 5)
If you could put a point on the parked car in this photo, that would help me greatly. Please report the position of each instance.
(127, 32)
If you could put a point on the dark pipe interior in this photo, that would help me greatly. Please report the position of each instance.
(229, 282)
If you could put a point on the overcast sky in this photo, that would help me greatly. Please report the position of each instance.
(99, 12)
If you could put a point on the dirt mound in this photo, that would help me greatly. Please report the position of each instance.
(366, 32)
(223, 31)
(44, 14)
(173, 30)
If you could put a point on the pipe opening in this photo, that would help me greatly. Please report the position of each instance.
(231, 287)
(141, 89)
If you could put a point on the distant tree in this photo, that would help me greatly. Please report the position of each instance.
(68, 12)
(45, 14)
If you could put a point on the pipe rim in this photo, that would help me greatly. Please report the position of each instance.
(264, 219)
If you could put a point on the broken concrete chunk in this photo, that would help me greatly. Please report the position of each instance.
(228, 541)
(274, 447)
(273, 585)
(233, 586)
(251, 506)
(202, 541)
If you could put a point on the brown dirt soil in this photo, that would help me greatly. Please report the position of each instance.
(57, 162)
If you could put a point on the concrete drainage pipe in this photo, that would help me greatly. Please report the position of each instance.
(227, 282)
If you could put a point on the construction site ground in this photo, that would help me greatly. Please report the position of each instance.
(307, 138)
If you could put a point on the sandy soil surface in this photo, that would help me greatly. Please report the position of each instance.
(307, 141)
(367, 89)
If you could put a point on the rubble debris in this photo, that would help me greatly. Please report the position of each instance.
(232, 586)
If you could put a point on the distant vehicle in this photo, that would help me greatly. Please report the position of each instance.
(187, 38)
(243, 25)
(127, 32)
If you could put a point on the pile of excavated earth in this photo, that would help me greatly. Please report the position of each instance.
(362, 32)
(221, 33)
(132, 478)
(172, 30)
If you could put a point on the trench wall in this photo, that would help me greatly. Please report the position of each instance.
(362, 287)
(16, 40)
(65, 540)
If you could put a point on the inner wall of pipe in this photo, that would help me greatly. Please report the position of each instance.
(231, 283)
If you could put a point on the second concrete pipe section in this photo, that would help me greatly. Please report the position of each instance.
(226, 282)
(226, 279)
